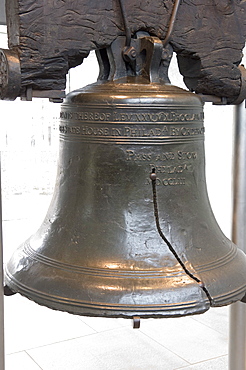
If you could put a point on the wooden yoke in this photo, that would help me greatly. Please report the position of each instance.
(47, 38)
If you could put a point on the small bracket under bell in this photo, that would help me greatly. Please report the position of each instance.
(136, 322)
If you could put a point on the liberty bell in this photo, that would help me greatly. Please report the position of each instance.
(130, 231)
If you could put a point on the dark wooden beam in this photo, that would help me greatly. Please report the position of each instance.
(53, 36)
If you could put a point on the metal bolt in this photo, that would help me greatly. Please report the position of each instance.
(129, 54)
(153, 176)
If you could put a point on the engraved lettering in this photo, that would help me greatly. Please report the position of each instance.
(94, 131)
(174, 131)
(66, 115)
(148, 182)
(171, 181)
(116, 131)
(91, 116)
(134, 132)
(74, 129)
(89, 130)
(130, 154)
(186, 131)
(172, 169)
(157, 132)
(174, 181)
(96, 116)
(152, 133)
(187, 155)
(63, 129)
(133, 156)
(165, 156)
(128, 131)
(154, 117)
(168, 116)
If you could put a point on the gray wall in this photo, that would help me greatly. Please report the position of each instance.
(2, 12)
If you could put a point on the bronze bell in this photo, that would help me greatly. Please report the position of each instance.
(130, 231)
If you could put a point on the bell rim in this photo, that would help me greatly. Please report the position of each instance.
(103, 309)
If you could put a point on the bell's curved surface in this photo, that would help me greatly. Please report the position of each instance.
(98, 251)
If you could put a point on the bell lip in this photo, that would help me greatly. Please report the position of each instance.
(26, 278)
(128, 314)
(109, 310)
(122, 311)
(80, 306)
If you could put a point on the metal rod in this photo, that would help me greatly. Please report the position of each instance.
(1, 284)
(125, 21)
(171, 23)
(237, 329)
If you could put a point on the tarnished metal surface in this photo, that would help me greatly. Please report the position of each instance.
(98, 251)
(130, 232)
(242, 94)
(10, 76)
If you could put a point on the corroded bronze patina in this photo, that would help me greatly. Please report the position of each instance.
(100, 250)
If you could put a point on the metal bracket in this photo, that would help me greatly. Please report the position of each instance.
(216, 100)
(55, 96)
(136, 322)
(145, 57)
(242, 93)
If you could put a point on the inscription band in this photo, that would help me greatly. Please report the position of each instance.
(150, 116)
(132, 131)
